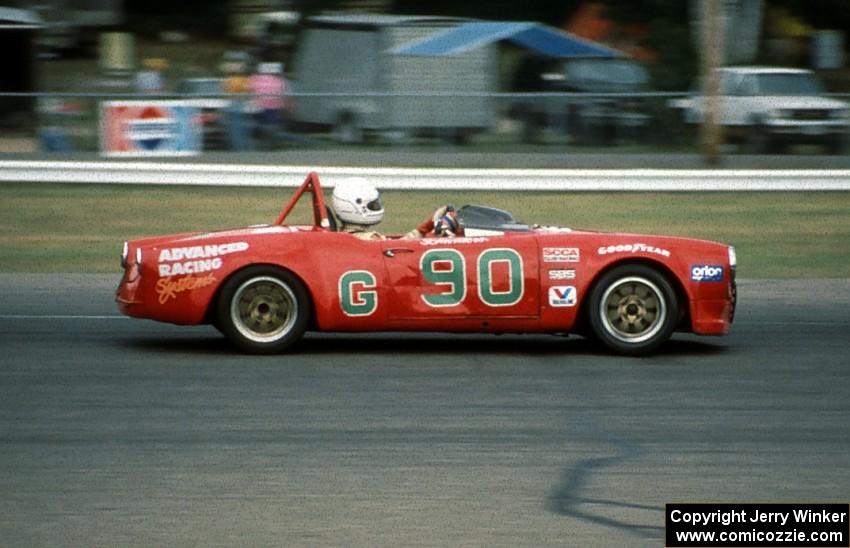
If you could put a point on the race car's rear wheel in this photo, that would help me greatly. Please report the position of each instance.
(263, 310)
(633, 309)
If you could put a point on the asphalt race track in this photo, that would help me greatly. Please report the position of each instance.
(119, 432)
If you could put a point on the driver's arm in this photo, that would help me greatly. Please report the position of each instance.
(426, 228)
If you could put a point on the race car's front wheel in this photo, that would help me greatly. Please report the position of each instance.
(263, 310)
(633, 309)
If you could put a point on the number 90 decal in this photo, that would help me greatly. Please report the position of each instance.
(447, 268)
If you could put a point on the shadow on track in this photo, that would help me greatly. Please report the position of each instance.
(568, 496)
(417, 343)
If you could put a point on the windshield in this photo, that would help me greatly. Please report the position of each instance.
(790, 83)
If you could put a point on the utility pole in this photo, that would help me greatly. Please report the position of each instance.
(712, 59)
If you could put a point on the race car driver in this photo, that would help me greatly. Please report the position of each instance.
(357, 204)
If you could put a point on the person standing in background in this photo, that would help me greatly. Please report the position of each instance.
(149, 79)
(237, 114)
(269, 88)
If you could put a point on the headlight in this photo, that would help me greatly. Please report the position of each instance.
(125, 251)
(139, 256)
(733, 258)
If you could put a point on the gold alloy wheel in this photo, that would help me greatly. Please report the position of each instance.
(263, 309)
(633, 310)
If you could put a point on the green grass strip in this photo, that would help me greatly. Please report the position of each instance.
(80, 228)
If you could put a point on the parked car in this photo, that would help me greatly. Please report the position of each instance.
(594, 111)
(264, 286)
(766, 108)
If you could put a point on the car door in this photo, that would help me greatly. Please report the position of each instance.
(480, 277)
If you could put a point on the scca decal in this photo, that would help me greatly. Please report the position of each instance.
(357, 293)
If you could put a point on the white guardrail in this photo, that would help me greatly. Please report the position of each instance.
(652, 180)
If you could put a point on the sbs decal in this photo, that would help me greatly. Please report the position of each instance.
(357, 293)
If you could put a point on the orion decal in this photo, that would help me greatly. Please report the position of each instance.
(707, 273)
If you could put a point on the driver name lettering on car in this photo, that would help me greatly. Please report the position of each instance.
(461, 240)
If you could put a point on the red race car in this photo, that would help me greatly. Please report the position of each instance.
(264, 286)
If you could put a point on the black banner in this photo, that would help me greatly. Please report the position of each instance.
(745, 525)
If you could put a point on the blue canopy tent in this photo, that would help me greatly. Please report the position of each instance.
(537, 37)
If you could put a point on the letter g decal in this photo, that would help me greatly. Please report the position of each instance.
(357, 293)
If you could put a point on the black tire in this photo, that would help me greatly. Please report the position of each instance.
(633, 309)
(760, 141)
(263, 309)
(757, 140)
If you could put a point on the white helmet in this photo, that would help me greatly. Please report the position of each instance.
(357, 201)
